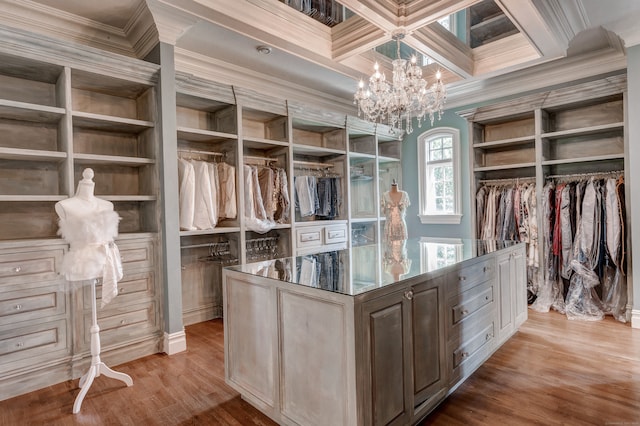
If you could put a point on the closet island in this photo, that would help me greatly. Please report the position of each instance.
(310, 340)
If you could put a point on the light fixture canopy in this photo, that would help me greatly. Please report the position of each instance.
(408, 95)
(265, 50)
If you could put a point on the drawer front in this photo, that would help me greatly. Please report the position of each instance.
(134, 287)
(469, 302)
(470, 348)
(136, 254)
(121, 324)
(470, 276)
(32, 303)
(309, 237)
(30, 266)
(335, 234)
(29, 344)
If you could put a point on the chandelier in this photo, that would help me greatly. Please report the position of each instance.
(408, 95)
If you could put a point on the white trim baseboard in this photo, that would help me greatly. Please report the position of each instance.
(174, 343)
(635, 318)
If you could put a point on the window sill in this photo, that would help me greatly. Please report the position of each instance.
(444, 219)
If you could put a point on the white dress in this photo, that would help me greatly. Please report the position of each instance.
(395, 227)
(92, 253)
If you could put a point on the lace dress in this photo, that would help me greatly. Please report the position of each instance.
(395, 227)
(92, 252)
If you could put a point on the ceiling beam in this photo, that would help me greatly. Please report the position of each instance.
(377, 12)
(443, 47)
(547, 40)
(354, 36)
(421, 12)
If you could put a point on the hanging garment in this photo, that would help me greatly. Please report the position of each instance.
(266, 181)
(227, 207)
(306, 195)
(187, 193)
(92, 251)
(255, 215)
(284, 203)
(203, 217)
(215, 192)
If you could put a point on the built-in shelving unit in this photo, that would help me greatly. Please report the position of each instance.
(578, 129)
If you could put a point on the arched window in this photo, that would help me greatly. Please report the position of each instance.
(439, 184)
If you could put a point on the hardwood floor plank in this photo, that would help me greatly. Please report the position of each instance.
(552, 372)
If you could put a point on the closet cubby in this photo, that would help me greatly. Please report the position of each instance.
(325, 136)
(504, 142)
(390, 149)
(592, 130)
(363, 178)
(263, 126)
(363, 233)
(205, 118)
(363, 144)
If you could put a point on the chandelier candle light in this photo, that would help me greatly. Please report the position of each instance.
(408, 96)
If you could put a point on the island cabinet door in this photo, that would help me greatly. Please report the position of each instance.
(519, 262)
(386, 384)
(506, 297)
(428, 349)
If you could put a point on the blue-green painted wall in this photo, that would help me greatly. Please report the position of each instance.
(410, 180)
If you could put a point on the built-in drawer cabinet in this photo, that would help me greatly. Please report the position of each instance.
(30, 266)
(31, 301)
(132, 288)
(470, 304)
(32, 342)
(136, 254)
(469, 276)
(314, 238)
(470, 347)
(120, 324)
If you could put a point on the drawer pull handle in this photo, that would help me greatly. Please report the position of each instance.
(18, 307)
(464, 354)
(121, 290)
(123, 322)
(17, 269)
(20, 344)
(462, 278)
(486, 298)
(489, 336)
(486, 269)
(465, 312)
(408, 294)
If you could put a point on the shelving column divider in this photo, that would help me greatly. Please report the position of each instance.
(63, 90)
(539, 130)
(290, 176)
(242, 242)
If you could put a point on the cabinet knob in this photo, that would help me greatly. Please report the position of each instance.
(17, 269)
(464, 354)
(486, 269)
(462, 278)
(121, 290)
(123, 322)
(408, 294)
(18, 307)
(486, 298)
(465, 312)
(20, 344)
(488, 336)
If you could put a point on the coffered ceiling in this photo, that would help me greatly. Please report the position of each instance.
(218, 38)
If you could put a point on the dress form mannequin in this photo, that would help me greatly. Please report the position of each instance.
(90, 224)
(394, 206)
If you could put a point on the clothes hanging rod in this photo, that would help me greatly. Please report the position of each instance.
(308, 164)
(586, 175)
(261, 159)
(509, 180)
(196, 246)
(195, 151)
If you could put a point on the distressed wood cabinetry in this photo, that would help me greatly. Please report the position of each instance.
(377, 355)
(62, 111)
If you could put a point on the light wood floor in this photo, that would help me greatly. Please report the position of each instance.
(552, 372)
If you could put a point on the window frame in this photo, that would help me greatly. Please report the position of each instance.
(423, 140)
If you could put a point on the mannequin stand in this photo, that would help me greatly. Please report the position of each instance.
(97, 367)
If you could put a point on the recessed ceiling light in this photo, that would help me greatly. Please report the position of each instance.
(265, 50)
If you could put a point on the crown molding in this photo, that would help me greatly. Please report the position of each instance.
(552, 73)
(223, 72)
(41, 19)
(566, 18)
(444, 47)
(355, 36)
(65, 53)
(141, 31)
